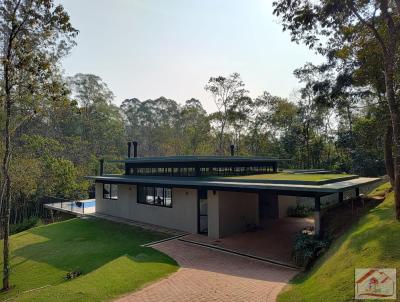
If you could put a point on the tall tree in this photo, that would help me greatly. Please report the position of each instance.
(35, 34)
(330, 26)
(101, 121)
(228, 93)
(194, 128)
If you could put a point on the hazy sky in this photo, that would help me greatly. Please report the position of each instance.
(151, 48)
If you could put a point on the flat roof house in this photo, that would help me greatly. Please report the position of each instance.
(213, 195)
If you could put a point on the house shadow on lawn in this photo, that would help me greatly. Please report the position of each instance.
(87, 244)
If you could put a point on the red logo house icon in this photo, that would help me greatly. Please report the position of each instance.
(375, 284)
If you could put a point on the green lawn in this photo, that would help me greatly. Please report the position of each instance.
(108, 254)
(290, 176)
(373, 242)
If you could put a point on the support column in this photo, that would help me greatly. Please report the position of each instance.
(357, 191)
(340, 197)
(317, 216)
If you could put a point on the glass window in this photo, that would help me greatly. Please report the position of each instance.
(149, 195)
(114, 191)
(106, 191)
(157, 196)
(168, 197)
(110, 191)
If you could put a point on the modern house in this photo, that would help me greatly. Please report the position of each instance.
(213, 195)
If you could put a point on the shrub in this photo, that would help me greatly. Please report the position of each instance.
(299, 211)
(307, 248)
(27, 224)
(73, 275)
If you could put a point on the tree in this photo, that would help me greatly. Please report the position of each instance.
(35, 34)
(194, 128)
(271, 117)
(331, 26)
(101, 121)
(229, 96)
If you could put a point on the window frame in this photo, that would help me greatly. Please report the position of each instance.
(142, 190)
(110, 192)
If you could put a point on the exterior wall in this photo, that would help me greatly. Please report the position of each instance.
(182, 215)
(237, 211)
(269, 205)
(285, 202)
(213, 214)
(231, 212)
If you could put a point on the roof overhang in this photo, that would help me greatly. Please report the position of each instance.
(282, 188)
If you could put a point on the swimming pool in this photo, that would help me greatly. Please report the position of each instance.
(88, 203)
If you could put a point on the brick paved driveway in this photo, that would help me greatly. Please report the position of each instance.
(210, 275)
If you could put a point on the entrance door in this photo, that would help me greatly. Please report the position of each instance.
(203, 216)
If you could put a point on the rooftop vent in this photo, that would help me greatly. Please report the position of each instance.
(134, 148)
(129, 149)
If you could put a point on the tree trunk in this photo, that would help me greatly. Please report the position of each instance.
(395, 117)
(221, 138)
(6, 194)
(388, 148)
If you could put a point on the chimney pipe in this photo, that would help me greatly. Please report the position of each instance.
(129, 149)
(232, 150)
(134, 148)
(101, 167)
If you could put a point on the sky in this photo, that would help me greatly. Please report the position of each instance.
(151, 48)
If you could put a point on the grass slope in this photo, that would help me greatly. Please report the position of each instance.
(373, 242)
(108, 254)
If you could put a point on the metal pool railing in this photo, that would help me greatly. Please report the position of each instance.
(73, 206)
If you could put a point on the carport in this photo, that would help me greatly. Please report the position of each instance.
(225, 208)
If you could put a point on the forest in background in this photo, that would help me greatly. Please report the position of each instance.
(57, 128)
(63, 142)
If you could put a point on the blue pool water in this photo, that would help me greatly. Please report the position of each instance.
(88, 204)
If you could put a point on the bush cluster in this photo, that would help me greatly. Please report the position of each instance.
(307, 248)
(299, 211)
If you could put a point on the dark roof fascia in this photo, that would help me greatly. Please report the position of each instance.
(284, 181)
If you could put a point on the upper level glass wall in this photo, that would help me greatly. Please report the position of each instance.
(201, 171)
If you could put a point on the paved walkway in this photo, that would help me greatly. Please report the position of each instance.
(273, 241)
(210, 275)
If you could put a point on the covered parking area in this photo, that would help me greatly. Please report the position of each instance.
(253, 221)
(226, 209)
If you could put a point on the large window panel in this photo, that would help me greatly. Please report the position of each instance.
(149, 195)
(114, 191)
(157, 196)
(106, 191)
(110, 191)
(168, 197)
